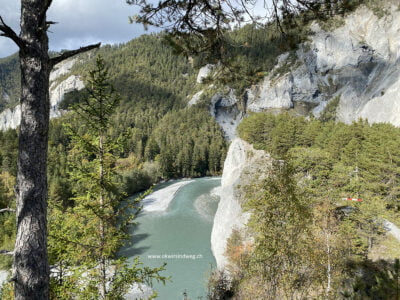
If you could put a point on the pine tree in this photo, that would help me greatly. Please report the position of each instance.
(87, 236)
(280, 223)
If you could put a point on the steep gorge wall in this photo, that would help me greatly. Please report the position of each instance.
(359, 62)
(11, 117)
(242, 165)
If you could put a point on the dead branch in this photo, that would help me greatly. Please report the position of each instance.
(68, 54)
(7, 31)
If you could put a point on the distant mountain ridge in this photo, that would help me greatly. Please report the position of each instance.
(141, 69)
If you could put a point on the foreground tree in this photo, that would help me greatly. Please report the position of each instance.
(86, 236)
(31, 269)
(280, 223)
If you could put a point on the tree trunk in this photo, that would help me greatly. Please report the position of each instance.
(103, 280)
(31, 269)
(328, 266)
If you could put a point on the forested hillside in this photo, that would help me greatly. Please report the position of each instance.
(157, 136)
(308, 236)
(9, 81)
(152, 82)
(154, 85)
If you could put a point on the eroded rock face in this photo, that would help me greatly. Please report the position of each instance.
(242, 164)
(11, 118)
(226, 111)
(204, 72)
(3, 277)
(57, 92)
(196, 98)
(62, 68)
(358, 62)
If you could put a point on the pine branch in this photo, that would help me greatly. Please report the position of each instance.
(6, 252)
(7, 31)
(7, 210)
(67, 240)
(68, 54)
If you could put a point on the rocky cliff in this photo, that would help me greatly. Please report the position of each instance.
(11, 117)
(243, 163)
(357, 62)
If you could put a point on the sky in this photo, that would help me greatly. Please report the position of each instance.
(80, 22)
(83, 22)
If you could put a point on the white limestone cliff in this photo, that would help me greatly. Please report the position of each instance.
(224, 108)
(11, 117)
(3, 277)
(204, 72)
(196, 98)
(58, 90)
(62, 68)
(359, 62)
(241, 165)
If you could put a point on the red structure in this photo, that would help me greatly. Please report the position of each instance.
(353, 199)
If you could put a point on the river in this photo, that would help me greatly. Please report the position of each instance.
(175, 227)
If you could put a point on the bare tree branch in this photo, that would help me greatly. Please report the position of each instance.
(7, 210)
(7, 31)
(6, 252)
(68, 54)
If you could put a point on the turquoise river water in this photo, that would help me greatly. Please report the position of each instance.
(175, 227)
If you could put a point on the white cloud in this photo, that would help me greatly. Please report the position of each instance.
(80, 22)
